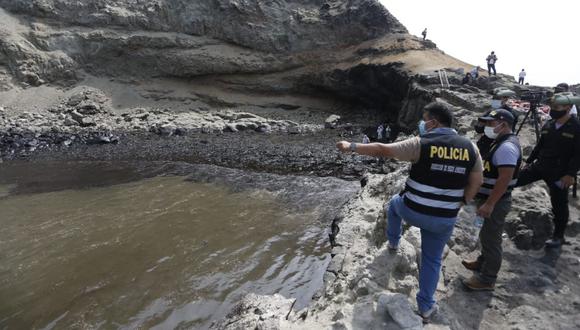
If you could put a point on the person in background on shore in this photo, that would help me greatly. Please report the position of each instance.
(380, 130)
(556, 160)
(501, 166)
(491, 60)
(424, 34)
(365, 139)
(388, 132)
(446, 173)
(563, 88)
(475, 72)
(522, 77)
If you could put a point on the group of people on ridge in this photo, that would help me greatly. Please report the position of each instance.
(492, 59)
(449, 171)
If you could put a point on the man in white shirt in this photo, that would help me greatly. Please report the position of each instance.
(522, 77)
(380, 131)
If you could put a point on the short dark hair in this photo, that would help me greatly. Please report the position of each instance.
(440, 112)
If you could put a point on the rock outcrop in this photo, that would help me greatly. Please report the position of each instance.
(354, 51)
(288, 25)
(529, 223)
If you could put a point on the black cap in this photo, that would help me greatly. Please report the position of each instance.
(499, 114)
(562, 87)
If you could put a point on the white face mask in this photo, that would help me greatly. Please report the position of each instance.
(496, 104)
(490, 132)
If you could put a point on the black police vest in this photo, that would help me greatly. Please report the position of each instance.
(491, 172)
(437, 182)
(558, 145)
(484, 144)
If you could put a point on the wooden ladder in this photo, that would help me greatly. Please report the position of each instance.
(443, 78)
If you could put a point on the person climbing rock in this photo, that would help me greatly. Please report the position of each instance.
(491, 60)
(475, 73)
(501, 165)
(556, 160)
(446, 172)
(424, 34)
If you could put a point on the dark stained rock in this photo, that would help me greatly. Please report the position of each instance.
(529, 223)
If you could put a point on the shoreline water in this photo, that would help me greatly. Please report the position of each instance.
(85, 204)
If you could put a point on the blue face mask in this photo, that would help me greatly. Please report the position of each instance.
(496, 104)
(422, 127)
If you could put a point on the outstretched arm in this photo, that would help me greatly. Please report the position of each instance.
(407, 150)
(369, 149)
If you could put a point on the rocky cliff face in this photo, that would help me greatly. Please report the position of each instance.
(182, 38)
(353, 50)
(273, 26)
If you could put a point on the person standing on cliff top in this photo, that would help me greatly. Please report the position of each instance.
(522, 77)
(491, 59)
(424, 34)
(446, 173)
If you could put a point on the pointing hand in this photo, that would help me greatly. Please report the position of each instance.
(343, 146)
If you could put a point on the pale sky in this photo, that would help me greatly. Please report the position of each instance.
(542, 37)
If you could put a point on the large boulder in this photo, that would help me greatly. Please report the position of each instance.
(88, 101)
(400, 310)
(529, 223)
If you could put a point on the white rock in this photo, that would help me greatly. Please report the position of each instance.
(408, 254)
(413, 236)
(331, 121)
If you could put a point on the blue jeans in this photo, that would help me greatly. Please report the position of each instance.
(435, 232)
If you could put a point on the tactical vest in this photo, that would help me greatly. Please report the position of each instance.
(437, 182)
(491, 172)
(558, 145)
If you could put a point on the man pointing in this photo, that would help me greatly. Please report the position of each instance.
(446, 172)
